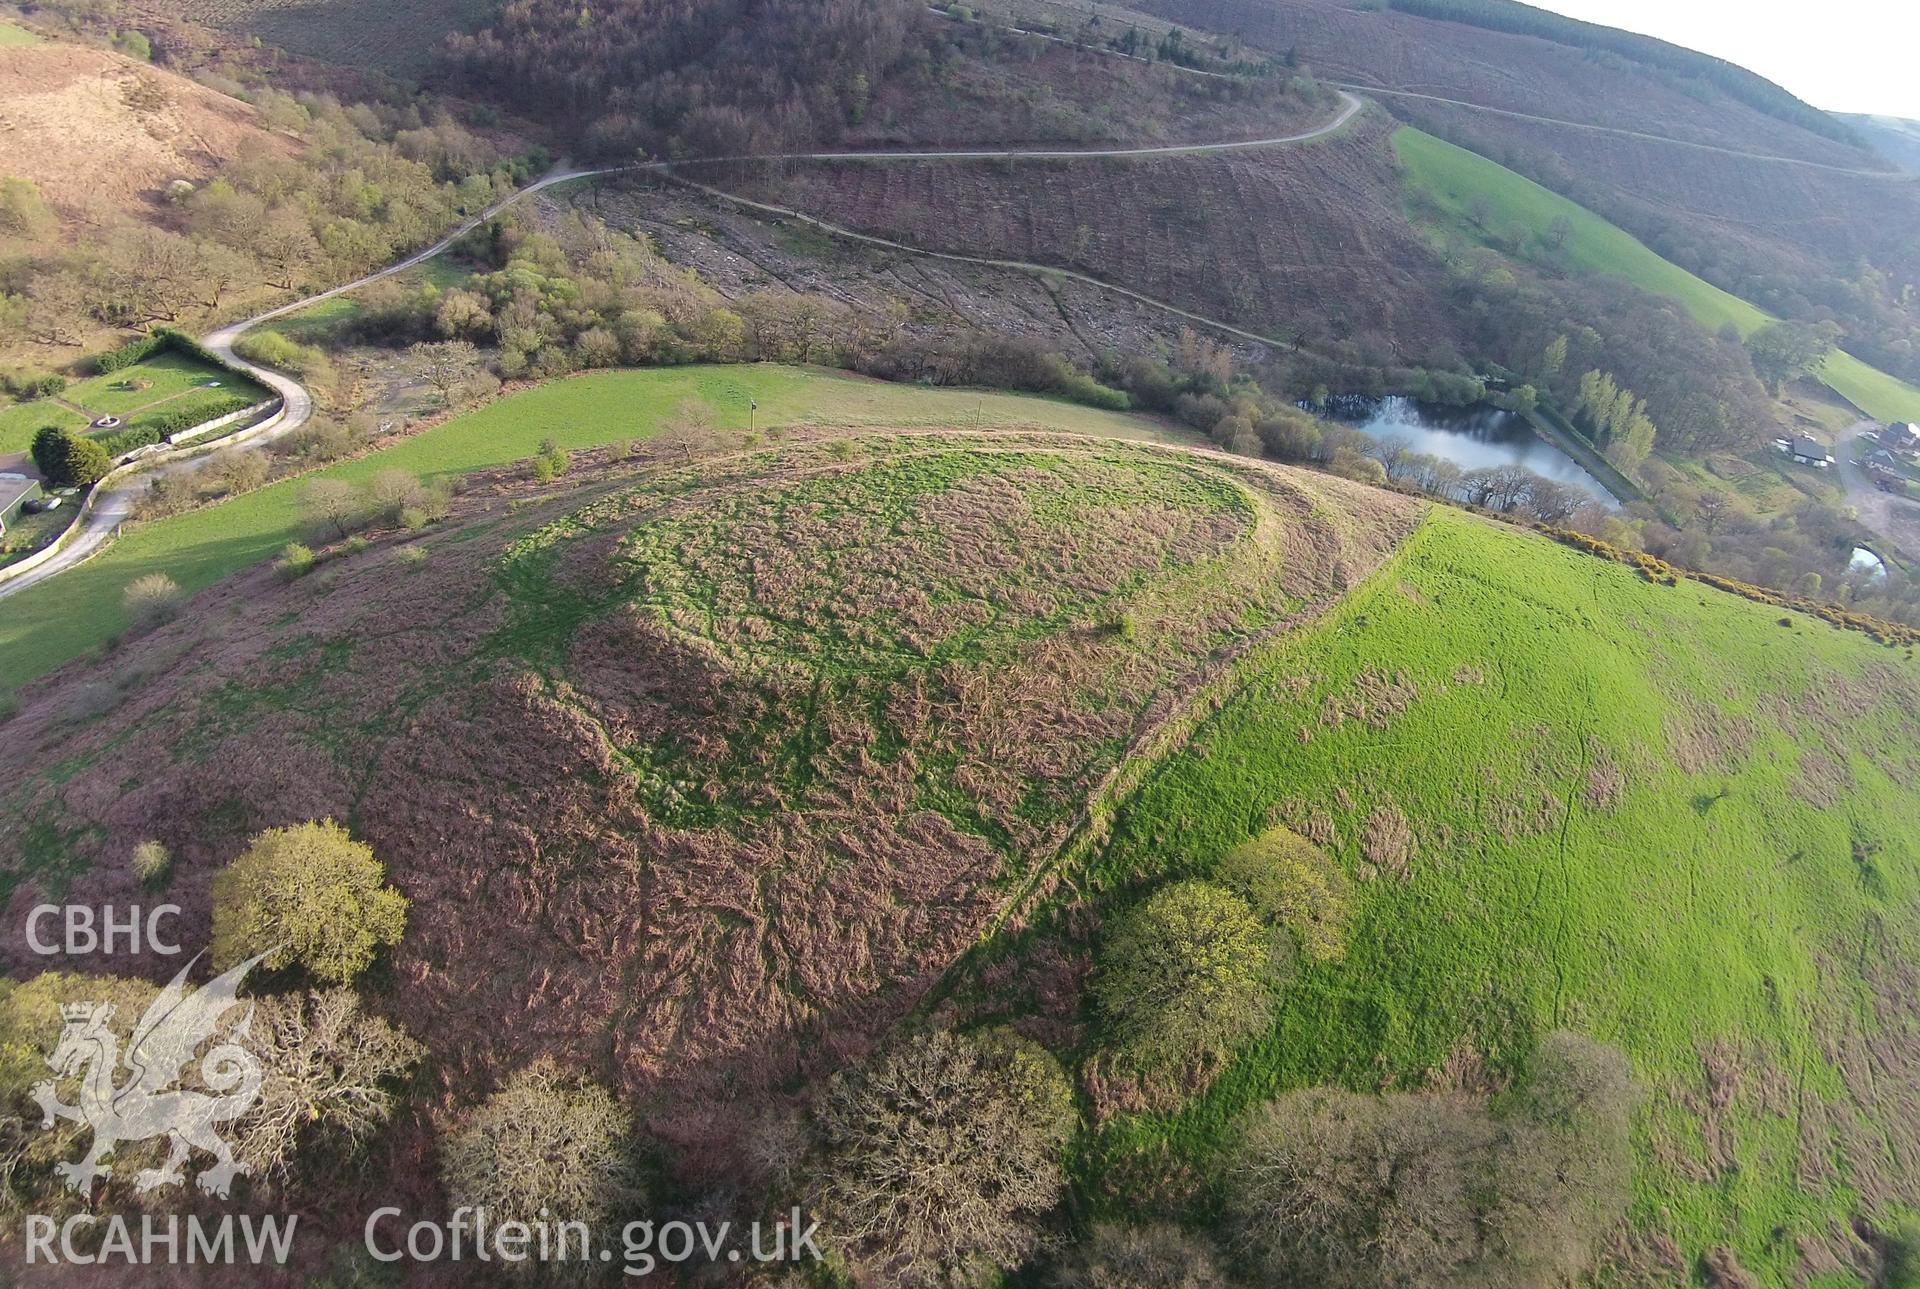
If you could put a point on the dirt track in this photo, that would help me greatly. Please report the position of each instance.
(111, 508)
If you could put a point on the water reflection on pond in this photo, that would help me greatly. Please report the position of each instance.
(1473, 438)
(1865, 561)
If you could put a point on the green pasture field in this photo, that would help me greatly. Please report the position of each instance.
(1622, 796)
(20, 422)
(1455, 178)
(175, 378)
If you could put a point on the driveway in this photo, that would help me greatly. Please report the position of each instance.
(1893, 518)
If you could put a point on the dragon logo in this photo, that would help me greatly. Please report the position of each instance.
(149, 1104)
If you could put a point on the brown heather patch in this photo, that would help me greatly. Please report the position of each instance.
(1634, 1257)
(1151, 1178)
(1734, 1079)
(1815, 1148)
(1314, 822)
(1387, 841)
(1875, 715)
(1465, 1072)
(652, 821)
(1373, 697)
(1876, 1127)
(1836, 1251)
(1526, 799)
(1113, 1086)
(1526, 813)
(1820, 780)
(1722, 1270)
(1705, 740)
(1606, 781)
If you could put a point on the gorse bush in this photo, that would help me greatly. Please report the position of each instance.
(308, 896)
(152, 599)
(295, 561)
(152, 861)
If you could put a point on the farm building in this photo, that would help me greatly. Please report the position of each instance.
(1901, 437)
(16, 490)
(1806, 452)
(1882, 462)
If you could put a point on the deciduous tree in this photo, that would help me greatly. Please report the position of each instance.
(308, 896)
(939, 1157)
(1185, 975)
(546, 1147)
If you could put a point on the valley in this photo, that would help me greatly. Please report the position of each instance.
(1212, 644)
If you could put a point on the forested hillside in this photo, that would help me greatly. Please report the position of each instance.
(722, 75)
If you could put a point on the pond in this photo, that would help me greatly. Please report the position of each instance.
(1473, 438)
(1865, 561)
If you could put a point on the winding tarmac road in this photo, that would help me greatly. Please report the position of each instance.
(112, 501)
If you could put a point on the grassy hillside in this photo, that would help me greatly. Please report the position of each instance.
(1461, 182)
(45, 626)
(1661, 816)
(19, 422)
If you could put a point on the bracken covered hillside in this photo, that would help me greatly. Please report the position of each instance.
(138, 128)
(695, 770)
(1304, 241)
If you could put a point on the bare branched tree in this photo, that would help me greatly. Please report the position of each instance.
(941, 1156)
(544, 1146)
(446, 365)
(329, 1068)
